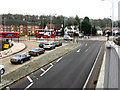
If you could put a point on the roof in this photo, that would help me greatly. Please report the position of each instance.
(50, 26)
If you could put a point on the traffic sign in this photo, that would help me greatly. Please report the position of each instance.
(6, 45)
(0, 54)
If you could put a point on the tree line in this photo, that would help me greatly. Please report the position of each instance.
(85, 24)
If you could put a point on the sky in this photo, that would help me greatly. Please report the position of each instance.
(94, 9)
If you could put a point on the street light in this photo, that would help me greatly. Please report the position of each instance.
(112, 16)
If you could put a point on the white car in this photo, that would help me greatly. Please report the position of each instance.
(2, 69)
(49, 45)
(67, 37)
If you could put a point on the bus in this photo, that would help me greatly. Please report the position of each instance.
(9, 34)
(45, 33)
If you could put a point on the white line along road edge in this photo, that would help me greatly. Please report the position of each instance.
(92, 69)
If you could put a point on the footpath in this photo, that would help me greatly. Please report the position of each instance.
(17, 47)
(109, 73)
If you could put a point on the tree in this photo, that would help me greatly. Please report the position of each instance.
(86, 26)
(94, 30)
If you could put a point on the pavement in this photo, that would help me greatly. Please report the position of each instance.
(17, 47)
(109, 74)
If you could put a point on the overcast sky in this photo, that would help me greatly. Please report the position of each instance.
(92, 8)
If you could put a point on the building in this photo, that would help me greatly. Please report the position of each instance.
(71, 29)
(99, 30)
(23, 29)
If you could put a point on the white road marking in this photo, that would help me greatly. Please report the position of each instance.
(78, 50)
(59, 59)
(29, 79)
(42, 70)
(7, 88)
(47, 70)
(28, 86)
(91, 70)
(86, 50)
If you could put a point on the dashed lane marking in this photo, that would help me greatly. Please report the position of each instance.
(86, 50)
(28, 86)
(29, 79)
(78, 50)
(47, 69)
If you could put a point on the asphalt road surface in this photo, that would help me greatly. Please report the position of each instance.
(70, 71)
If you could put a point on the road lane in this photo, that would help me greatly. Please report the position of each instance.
(70, 72)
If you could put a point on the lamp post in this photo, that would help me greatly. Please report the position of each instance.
(112, 16)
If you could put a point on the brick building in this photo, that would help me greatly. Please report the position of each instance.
(23, 29)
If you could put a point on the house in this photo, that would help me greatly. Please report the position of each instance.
(116, 30)
(99, 30)
(71, 29)
(50, 26)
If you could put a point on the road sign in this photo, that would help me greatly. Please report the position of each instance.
(26, 35)
(6, 45)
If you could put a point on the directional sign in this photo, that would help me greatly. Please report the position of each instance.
(6, 45)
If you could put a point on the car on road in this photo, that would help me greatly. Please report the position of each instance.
(49, 45)
(36, 51)
(41, 44)
(2, 69)
(67, 37)
(58, 43)
(20, 58)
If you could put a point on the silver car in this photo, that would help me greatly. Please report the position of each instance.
(2, 69)
(50, 45)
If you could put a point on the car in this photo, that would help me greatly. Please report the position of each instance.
(58, 43)
(49, 45)
(36, 51)
(41, 44)
(20, 58)
(67, 37)
(2, 69)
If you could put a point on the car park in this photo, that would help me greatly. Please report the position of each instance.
(36, 51)
(49, 45)
(58, 43)
(41, 44)
(2, 69)
(20, 58)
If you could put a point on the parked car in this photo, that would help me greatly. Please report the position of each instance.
(58, 43)
(41, 44)
(67, 37)
(50, 45)
(2, 69)
(20, 58)
(36, 51)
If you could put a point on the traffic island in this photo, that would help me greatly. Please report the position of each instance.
(37, 64)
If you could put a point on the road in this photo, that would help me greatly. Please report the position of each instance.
(70, 71)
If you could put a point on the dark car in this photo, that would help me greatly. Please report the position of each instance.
(41, 44)
(20, 58)
(36, 51)
(58, 43)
